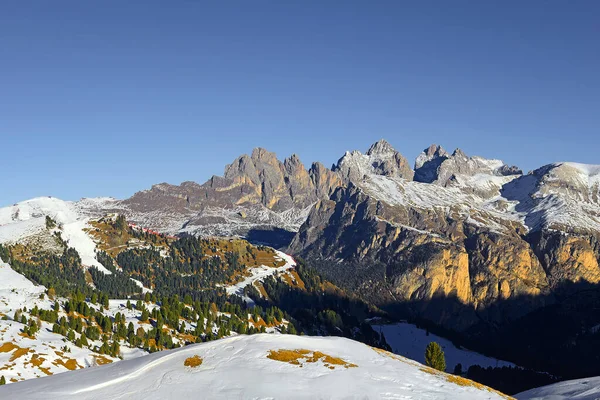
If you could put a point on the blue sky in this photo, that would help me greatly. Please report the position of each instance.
(107, 98)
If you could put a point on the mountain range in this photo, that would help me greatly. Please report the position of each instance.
(468, 244)
(474, 230)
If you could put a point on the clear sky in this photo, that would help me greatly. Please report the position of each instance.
(105, 98)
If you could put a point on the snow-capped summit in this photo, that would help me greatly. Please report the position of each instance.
(381, 147)
(381, 159)
(427, 163)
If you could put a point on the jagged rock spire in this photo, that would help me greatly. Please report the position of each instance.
(380, 159)
(380, 147)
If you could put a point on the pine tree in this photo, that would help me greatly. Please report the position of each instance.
(458, 369)
(2, 380)
(434, 357)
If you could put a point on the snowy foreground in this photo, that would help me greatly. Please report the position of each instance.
(238, 368)
(23, 357)
(580, 389)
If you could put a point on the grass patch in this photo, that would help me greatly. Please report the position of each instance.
(464, 382)
(193, 362)
(101, 360)
(20, 352)
(26, 336)
(296, 357)
(37, 360)
(8, 347)
(70, 364)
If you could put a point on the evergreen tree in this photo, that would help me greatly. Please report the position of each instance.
(2, 380)
(458, 369)
(434, 357)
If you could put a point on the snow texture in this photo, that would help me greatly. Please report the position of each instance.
(17, 292)
(28, 218)
(257, 274)
(580, 389)
(238, 368)
(409, 341)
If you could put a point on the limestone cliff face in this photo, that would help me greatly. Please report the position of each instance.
(324, 180)
(568, 257)
(474, 240)
(266, 180)
(418, 262)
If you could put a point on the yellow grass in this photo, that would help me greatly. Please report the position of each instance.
(19, 353)
(101, 360)
(70, 364)
(26, 336)
(295, 357)
(297, 280)
(193, 362)
(37, 360)
(7, 366)
(457, 380)
(261, 289)
(186, 337)
(8, 347)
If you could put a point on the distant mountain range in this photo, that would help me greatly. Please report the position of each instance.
(467, 243)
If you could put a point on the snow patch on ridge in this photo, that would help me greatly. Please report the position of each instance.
(28, 218)
(258, 274)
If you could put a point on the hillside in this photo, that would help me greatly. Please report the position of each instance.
(259, 366)
(580, 389)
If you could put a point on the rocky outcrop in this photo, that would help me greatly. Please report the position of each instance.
(428, 162)
(568, 257)
(257, 192)
(478, 242)
(380, 159)
(420, 259)
(476, 175)
(324, 180)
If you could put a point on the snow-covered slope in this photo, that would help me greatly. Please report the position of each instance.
(24, 357)
(257, 274)
(409, 341)
(558, 196)
(28, 219)
(252, 367)
(580, 389)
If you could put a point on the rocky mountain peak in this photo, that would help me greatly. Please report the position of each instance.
(324, 180)
(435, 165)
(380, 159)
(261, 154)
(459, 153)
(293, 164)
(435, 150)
(428, 162)
(380, 147)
